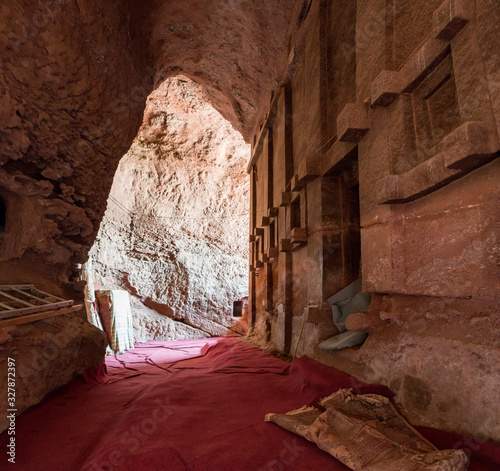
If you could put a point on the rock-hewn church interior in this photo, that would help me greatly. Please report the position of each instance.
(248, 236)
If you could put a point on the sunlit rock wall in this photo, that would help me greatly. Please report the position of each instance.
(175, 233)
(74, 79)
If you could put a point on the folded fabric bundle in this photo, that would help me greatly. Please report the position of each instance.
(366, 433)
(116, 317)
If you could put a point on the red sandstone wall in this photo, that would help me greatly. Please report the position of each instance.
(392, 130)
(69, 112)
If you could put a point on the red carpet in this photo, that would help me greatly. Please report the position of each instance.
(191, 405)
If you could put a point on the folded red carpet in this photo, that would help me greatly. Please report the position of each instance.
(191, 405)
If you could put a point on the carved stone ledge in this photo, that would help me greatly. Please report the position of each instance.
(388, 85)
(286, 245)
(422, 63)
(385, 88)
(418, 182)
(471, 145)
(273, 212)
(297, 184)
(468, 147)
(286, 198)
(353, 122)
(271, 255)
(308, 170)
(299, 235)
(451, 17)
(258, 231)
(335, 156)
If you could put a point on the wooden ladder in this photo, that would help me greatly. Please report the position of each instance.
(20, 304)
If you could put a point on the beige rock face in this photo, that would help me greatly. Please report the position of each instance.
(175, 232)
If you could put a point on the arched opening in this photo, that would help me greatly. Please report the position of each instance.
(175, 232)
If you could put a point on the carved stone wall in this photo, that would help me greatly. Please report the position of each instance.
(379, 159)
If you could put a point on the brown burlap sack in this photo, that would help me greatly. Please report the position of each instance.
(366, 433)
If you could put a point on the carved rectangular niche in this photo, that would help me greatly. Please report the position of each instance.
(445, 146)
(295, 222)
(435, 109)
(271, 252)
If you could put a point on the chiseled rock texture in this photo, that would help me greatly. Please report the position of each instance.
(175, 233)
(47, 355)
(68, 113)
(151, 325)
(74, 79)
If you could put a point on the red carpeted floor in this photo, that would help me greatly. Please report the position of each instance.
(191, 405)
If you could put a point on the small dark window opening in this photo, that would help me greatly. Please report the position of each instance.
(237, 308)
(272, 235)
(3, 217)
(295, 213)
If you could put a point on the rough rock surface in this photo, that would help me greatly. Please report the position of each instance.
(238, 50)
(175, 233)
(59, 348)
(151, 325)
(74, 79)
(67, 115)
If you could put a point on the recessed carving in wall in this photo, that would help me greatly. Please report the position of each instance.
(441, 137)
(435, 109)
(410, 25)
(296, 229)
(295, 213)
